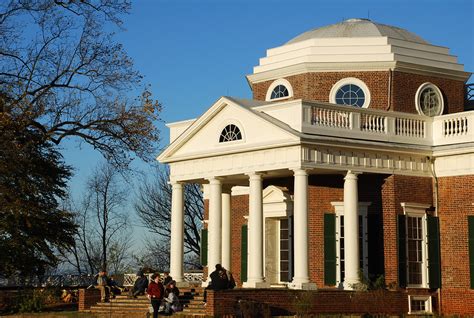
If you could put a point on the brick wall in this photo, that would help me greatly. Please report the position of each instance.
(317, 86)
(240, 208)
(287, 302)
(88, 298)
(322, 190)
(395, 190)
(405, 86)
(455, 203)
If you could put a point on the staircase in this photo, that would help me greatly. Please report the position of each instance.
(190, 297)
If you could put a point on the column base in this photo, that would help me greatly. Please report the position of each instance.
(350, 284)
(255, 284)
(182, 284)
(302, 285)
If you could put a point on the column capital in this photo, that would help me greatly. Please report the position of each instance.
(255, 175)
(176, 184)
(352, 175)
(299, 171)
(215, 180)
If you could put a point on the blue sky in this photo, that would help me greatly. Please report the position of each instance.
(193, 52)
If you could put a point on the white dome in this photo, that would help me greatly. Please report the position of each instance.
(356, 28)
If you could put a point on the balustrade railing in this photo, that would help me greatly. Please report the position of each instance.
(455, 126)
(83, 280)
(344, 121)
(330, 118)
(373, 123)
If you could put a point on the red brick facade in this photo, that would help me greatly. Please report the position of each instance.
(455, 202)
(401, 87)
(386, 193)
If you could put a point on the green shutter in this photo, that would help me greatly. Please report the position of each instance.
(434, 252)
(402, 251)
(329, 249)
(470, 221)
(204, 247)
(243, 256)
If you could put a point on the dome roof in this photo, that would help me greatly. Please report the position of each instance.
(355, 28)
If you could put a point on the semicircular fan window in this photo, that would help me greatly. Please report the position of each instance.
(230, 133)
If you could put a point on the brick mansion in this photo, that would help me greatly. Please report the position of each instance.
(353, 163)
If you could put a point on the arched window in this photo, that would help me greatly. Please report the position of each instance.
(230, 133)
(279, 92)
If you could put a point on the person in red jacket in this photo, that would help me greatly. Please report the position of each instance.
(155, 293)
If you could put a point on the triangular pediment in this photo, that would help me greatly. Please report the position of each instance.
(202, 137)
(274, 194)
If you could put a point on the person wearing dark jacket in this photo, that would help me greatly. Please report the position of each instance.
(141, 283)
(155, 293)
(166, 278)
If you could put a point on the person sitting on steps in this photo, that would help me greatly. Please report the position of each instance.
(139, 288)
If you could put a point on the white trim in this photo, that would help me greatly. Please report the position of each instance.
(426, 299)
(438, 92)
(350, 80)
(339, 210)
(418, 210)
(280, 81)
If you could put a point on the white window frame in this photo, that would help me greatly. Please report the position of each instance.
(280, 81)
(362, 211)
(417, 98)
(428, 304)
(418, 210)
(224, 124)
(350, 80)
(289, 252)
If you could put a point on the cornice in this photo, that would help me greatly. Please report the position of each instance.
(303, 68)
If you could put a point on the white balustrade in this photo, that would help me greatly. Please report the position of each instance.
(330, 118)
(455, 126)
(379, 125)
(410, 127)
(373, 123)
(191, 277)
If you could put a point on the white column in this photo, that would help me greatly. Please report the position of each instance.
(226, 243)
(214, 251)
(177, 233)
(300, 241)
(351, 231)
(255, 231)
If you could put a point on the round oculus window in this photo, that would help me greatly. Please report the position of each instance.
(429, 100)
(350, 94)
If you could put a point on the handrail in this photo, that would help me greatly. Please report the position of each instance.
(379, 125)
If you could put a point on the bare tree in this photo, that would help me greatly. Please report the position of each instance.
(105, 199)
(103, 236)
(153, 206)
(64, 76)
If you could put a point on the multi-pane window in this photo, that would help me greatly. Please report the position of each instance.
(279, 91)
(415, 241)
(230, 133)
(419, 304)
(362, 237)
(350, 94)
(341, 244)
(284, 251)
(429, 100)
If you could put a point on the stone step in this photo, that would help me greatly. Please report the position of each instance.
(98, 309)
(122, 305)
